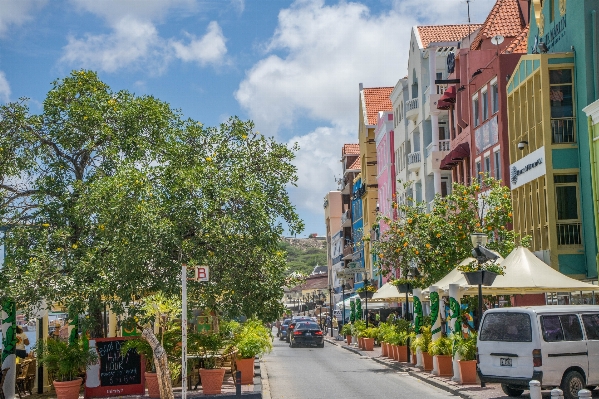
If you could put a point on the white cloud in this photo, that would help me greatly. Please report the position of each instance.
(17, 12)
(238, 5)
(438, 12)
(113, 11)
(4, 88)
(209, 49)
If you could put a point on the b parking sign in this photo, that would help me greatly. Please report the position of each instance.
(202, 273)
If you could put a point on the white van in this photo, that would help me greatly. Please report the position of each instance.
(556, 345)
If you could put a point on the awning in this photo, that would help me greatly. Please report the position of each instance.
(448, 95)
(457, 154)
(444, 105)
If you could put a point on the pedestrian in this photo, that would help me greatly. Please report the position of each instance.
(335, 323)
(278, 328)
(22, 341)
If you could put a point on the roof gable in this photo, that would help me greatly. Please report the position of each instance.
(505, 19)
(520, 43)
(376, 99)
(444, 33)
(350, 149)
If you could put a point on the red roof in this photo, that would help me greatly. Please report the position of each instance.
(505, 19)
(445, 33)
(377, 99)
(520, 43)
(350, 149)
(356, 165)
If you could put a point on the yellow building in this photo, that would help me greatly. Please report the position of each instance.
(372, 101)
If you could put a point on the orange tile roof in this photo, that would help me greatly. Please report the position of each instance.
(350, 149)
(444, 33)
(504, 19)
(377, 99)
(356, 165)
(520, 43)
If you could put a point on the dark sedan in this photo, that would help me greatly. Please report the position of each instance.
(284, 326)
(294, 321)
(306, 333)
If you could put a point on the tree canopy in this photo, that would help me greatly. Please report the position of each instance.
(106, 194)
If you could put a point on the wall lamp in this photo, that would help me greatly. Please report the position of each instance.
(462, 88)
(522, 145)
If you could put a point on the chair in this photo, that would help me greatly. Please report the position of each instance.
(2, 377)
(22, 377)
(31, 375)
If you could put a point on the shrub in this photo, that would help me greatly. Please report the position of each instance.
(441, 346)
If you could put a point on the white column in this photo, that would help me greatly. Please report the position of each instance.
(454, 324)
(417, 293)
(435, 301)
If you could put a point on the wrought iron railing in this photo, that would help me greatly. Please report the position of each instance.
(569, 233)
(563, 130)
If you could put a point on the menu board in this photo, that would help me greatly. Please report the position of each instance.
(116, 373)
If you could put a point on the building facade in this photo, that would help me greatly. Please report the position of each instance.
(549, 138)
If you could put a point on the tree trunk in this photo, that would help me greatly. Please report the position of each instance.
(160, 361)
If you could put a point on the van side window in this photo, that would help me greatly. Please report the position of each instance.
(507, 327)
(561, 328)
(591, 325)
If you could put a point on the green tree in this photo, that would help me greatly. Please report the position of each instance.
(435, 242)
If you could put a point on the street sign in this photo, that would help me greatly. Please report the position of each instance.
(202, 273)
(349, 273)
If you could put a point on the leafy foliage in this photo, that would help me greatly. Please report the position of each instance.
(65, 361)
(441, 346)
(301, 259)
(252, 339)
(465, 347)
(434, 242)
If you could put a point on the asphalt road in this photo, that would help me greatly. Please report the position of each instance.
(333, 372)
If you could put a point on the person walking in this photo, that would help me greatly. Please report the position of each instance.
(22, 341)
(335, 325)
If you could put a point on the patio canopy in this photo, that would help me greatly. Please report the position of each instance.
(454, 277)
(389, 292)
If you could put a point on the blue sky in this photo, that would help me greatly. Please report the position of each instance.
(291, 66)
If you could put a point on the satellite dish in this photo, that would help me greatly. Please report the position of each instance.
(497, 40)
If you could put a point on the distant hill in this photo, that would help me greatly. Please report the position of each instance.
(304, 253)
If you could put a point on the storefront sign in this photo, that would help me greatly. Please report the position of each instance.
(528, 168)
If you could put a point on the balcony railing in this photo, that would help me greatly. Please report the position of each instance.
(569, 234)
(348, 250)
(412, 104)
(413, 157)
(441, 88)
(443, 145)
(345, 217)
(563, 130)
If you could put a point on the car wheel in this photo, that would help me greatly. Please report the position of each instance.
(511, 391)
(572, 382)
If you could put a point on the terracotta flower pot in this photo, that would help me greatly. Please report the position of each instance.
(212, 380)
(68, 389)
(428, 361)
(246, 366)
(445, 363)
(348, 337)
(467, 371)
(396, 352)
(368, 344)
(361, 342)
(152, 385)
(402, 353)
(384, 349)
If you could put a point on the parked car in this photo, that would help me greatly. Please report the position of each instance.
(291, 326)
(284, 326)
(556, 345)
(307, 333)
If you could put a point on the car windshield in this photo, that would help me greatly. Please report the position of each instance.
(308, 326)
(285, 322)
(507, 327)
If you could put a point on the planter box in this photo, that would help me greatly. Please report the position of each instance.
(384, 349)
(428, 361)
(368, 344)
(402, 353)
(403, 288)
(445, 363)
(467, 371)
(246, 366)
(348, 338)
(212, 380)
(366, 294)
(482, 277)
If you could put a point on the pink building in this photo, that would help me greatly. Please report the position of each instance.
(385, 170)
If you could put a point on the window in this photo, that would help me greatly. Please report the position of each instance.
(478, 170)
(566, 197)
(507, 327)
(497, 161)
(561, 328)
(485, 105)
(487, 165)
(494, 98)
(591, 325)
(561, 94)
(475, 114)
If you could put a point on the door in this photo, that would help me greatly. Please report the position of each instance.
(591, 328)
(563, 346)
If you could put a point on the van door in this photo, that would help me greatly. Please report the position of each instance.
(591, 328)
(563, 346)
(505, 345)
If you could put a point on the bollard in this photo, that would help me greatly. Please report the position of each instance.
(238, 383)
(535, 389)
(557, 394)
(585, 393)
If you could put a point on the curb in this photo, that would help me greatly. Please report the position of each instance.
(411, 373)
(265, 385)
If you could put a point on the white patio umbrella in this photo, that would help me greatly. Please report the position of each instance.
(389, 292)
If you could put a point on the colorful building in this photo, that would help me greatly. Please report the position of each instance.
(592, 112)
(332, 218)
(549, 139)
(358, 227)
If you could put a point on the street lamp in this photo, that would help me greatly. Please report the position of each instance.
(305, 303)
(366, 296)
(482, 254)
(331, 308)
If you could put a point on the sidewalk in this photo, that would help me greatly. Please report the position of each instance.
(491, 391)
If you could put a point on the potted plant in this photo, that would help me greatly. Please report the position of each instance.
(151, 378)
(423, 343)
(466, 348)
(368, 338)
(66, 363)
(357, 327)
(251, 339)
(441, 349)
(402, 348)
(402, 284)
(346, 332)
(207, 345)
(484, 274)
(366, 291)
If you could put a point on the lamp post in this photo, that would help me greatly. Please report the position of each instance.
(331, 308)
(366, 296)
(478, 240)
(304, 305)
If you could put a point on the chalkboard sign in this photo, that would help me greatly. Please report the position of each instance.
(115, 374)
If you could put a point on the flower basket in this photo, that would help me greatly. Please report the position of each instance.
(366, 294)
(474, 278)
(488, 277)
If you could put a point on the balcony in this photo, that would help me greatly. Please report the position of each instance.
(346, 219)
(434, 156)
(412, 109)
(569, 234)
(414, 160)
(348, 250)
(434, 97)
(563, 130)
